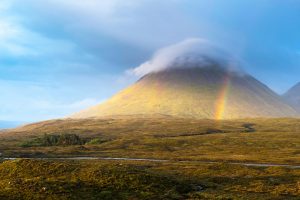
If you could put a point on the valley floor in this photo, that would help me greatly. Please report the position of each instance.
(189, 159)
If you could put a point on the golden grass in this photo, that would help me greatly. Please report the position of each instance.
(158, 137)
(270, 141)
(38, 179)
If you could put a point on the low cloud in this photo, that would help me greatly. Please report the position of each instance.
(193, 52)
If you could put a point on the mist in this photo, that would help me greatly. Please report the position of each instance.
(190, 53)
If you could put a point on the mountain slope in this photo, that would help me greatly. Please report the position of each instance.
(207, 92)
(292, 96)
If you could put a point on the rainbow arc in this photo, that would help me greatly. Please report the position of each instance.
(221, 101)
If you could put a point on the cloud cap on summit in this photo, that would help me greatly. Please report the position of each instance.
(192, 52)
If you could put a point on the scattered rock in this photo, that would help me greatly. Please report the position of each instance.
(198, 188)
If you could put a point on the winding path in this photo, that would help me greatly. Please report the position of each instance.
(159, 160)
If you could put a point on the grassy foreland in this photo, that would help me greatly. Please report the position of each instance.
(270, 141)
(253, 140)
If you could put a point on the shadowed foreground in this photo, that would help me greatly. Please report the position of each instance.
(37, 179)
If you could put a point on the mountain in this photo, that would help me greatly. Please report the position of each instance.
(195, 92)
(292, 96)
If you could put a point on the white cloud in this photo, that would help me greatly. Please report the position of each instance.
(9, 33)
(7, 30)
(145, 23)
(83, 104)
(103, 8)
(29, 101)
(46, 109)
(80, 12)
(194, 52)
(37, 101)
(17, 41)
(4, 5)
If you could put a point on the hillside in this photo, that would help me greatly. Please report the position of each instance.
(292, 96)
(209, 92)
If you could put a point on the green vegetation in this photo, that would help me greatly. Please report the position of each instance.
(96, 141)
(54, 140)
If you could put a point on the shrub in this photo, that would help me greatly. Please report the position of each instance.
(96, 141)
(54, 140)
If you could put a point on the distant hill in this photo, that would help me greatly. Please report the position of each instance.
(292, 96)
(195, 92)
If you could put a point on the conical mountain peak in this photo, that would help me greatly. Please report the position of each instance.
(209, 92)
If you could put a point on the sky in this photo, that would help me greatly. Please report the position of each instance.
(58, 57)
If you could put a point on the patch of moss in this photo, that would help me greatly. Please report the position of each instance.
(96, 141)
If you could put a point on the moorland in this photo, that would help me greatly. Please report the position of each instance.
(191, 159)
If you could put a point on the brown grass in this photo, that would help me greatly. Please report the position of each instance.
(270, 141)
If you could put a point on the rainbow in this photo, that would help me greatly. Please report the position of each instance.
(221, 100)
